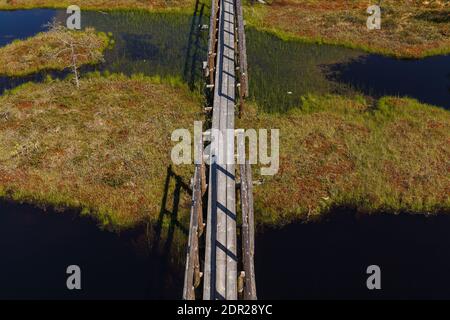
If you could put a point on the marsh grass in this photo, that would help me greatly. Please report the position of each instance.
(390, 155)
(103, 149)
(154, 5)
(410, 29)
(165, 44)
(24, 57)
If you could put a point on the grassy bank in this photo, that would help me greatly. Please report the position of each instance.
(103, 149)
(47, 50)
(390, 156)
(409, 29)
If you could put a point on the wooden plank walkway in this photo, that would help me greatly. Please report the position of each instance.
(226, 72)
(220, 276)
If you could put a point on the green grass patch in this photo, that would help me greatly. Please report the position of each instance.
(103, 149)
(41, 52)
(391, 156)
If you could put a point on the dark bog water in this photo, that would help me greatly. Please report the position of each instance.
(301, 261)
(427, 80)
(22, 24)
(38, 246)
(328, 260)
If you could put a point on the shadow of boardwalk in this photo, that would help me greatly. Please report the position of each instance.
(166, 226)
(196, 51)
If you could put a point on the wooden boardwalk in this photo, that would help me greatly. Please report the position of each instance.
(226, 55)
(220, 275)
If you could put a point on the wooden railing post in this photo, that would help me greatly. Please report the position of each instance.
(242, 56)
(193, 274)
(212, 45)
(247, 230)
(250, 294)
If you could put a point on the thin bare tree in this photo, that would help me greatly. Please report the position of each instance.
(73, 46)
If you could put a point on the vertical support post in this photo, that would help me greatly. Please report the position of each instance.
(247, 230)
(201, 187)
(241, 280)
(250, 276)
(193, 275)
(242, 55)
(212, 46)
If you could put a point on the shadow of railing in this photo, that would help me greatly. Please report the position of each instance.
(163, 245)
(195, 50)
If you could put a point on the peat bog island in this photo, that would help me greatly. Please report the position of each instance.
(225, 149)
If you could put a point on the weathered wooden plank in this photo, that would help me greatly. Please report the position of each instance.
(220, 280)
(242, 51)
(192, 271)
(222, 81)
(229, 53)
(248, 231)
(209, 270)
(210, 277)
(212, 43)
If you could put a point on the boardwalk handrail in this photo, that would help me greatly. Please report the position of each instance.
(193, 275)
(248, 227)
(212, 42)
(242, 55)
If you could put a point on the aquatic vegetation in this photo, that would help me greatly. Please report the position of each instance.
(281, 72)
(47, 50)
(105, 150)
(164, 44)
(409, 28)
